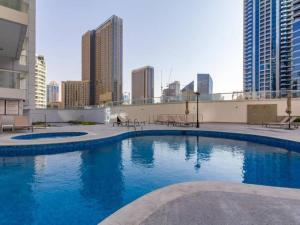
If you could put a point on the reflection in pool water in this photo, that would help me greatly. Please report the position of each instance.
(85, 187)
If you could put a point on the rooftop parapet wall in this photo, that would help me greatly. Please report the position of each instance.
(220, 112)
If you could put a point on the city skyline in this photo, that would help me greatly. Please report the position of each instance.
(181, 57)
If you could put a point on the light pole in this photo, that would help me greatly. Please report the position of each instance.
(197, 94)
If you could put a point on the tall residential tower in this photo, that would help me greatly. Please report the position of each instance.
(52, 92)
(143, 85)
(296, 46)
(102, 61)
(40, 83)
(268, 26)
(204, 84)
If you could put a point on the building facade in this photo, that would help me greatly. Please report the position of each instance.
(102, 61)
(52, 92)
(296, 47)
(268, 26)
(204, 84)
(74, 94)
(172, 92)
(17, 57)
(142, 85)
(40, 83)
(187, 92)
(89, 63)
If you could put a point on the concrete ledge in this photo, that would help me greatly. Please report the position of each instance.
(212, 203)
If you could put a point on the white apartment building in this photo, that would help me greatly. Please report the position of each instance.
(17, 56)
(40, 83)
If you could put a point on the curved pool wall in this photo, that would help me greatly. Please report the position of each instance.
(55, 148)
(49, 135)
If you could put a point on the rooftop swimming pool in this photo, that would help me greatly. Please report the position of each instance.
(86, 186)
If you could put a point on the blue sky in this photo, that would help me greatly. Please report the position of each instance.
(178, 38)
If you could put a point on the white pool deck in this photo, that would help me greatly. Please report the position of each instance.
(102, 131)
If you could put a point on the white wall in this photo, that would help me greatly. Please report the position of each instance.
(61, 115)
(223, 111)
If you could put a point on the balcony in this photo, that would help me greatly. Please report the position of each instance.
(13, 26)
(17, 5)
(12, 85)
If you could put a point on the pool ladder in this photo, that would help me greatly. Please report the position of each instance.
(135, 124)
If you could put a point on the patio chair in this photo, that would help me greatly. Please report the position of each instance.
(7, 123)
(22, 123)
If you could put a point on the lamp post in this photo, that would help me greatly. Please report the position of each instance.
(197, 94)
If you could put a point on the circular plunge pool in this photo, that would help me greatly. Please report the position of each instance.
(86, 186)
(49, 135)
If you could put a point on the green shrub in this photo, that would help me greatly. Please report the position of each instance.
(88, 123)
(85, 123)
(297, 120)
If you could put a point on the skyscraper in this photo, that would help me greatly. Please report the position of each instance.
(204, 84)
(40, 83)
(88, 62)
(142, 85)
(267, 45)
(296, 47)
(17, 57)
(102, 61)
(74, 94)
(188, 91)
(52, 92)
(172, 92)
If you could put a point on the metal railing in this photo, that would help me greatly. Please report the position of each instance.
(218, 97)
(12, 79)
(18, 5)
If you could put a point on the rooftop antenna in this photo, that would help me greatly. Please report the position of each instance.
(170, 77)
(161, 82)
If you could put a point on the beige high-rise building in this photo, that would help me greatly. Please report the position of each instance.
(102, 61)
(40, 83)
(75, 93)
(142, 85)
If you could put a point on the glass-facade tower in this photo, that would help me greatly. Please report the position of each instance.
(268, 35)
(296, 46)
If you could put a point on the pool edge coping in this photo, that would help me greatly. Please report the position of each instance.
(142, 208)
(44, 148)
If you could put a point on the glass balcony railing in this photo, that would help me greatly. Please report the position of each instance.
(18, 5)
(11, 79)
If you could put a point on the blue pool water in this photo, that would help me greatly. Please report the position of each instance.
(49, 135)
(84, 187)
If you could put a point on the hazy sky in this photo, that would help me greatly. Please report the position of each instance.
(179, 38)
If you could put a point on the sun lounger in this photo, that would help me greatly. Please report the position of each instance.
(161, 119)
(22, 123)
(284, 123)
(182, 120)
(171, 120)
(121, 122)
(7, 123)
